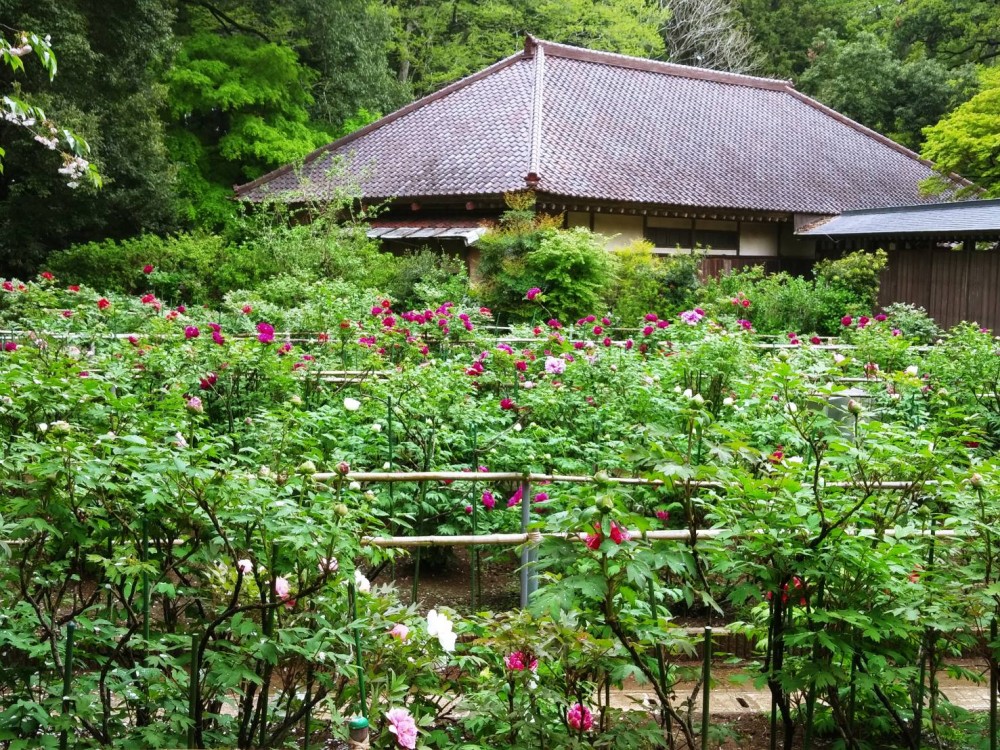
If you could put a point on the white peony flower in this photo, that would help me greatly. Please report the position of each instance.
(442, 627)
(362, 584)
(351, 404)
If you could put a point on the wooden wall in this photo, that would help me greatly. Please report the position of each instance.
(952, 285)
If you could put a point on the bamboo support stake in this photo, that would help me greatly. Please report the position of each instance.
(706, 678)
(67, 702)
(527, 575)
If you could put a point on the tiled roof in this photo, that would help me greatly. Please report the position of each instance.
(605, 127)
(945, 219)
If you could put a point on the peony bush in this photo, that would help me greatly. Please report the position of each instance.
(181, 491)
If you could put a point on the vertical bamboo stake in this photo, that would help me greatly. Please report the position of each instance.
(144, 555)
(309, 686)
(352, 600)
(392, 501)
(192, 733)
(706, 677)
(994, 686)
(528, 580)
(67, 681)
(474, 551)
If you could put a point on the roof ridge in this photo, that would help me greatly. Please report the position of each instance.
(533, 176)
(556, 49)
(247, 187)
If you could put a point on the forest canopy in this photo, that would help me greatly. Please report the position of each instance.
(180, 99)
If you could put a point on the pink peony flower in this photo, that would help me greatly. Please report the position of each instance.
(399, 631)
(881, 317)
(532, 293)
(245, 566)
(403, 726)
(579, 717)
(247, 309)
(663, 515)
(488, 500)
(281, 587)
(194, 404)
(541, 497)
(67, 313)
(648, 330)
(328, 565)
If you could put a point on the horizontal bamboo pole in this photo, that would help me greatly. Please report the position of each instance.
(534, 537)
(378, 477)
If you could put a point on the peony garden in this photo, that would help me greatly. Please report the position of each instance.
(205, 509)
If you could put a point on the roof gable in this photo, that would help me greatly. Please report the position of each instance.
(595, 125)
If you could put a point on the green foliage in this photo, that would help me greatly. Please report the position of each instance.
(423, 277)
(246, 101)
(646, 283)
(967, 140)
(863, 79)
(779, 303)
(111, 57)
(913, 321)
(435, 43)
(202, 267)
(856, 273)
(572, 268)
(240, 493)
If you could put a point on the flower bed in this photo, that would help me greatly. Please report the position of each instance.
(186, 497)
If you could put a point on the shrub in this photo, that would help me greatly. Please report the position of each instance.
(856, 273)
(913, 321)
(647, 283)
(424, 277)
(571, 267)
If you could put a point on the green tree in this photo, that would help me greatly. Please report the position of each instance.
(953, 31)
(239, 107)
(437, 42)
(111, 55)
(967, 141)
(863, 79)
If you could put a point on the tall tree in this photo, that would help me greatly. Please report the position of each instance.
(864, 80)
(439, 41)
(967, 141)
(709, 34)
(111, 55)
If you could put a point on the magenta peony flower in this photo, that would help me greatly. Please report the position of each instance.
(147, 269)
(507, 404)
(516, 498)
(488, 500)
(579, 717)
(846, 320)
(265, 333)
(10, 346)
(520, 661)
(532, 293)
(191, 332)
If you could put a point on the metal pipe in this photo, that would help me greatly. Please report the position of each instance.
(706, 677)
